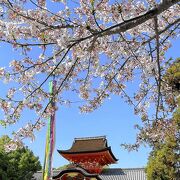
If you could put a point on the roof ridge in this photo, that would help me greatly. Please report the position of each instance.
(133, 168)
(90, 138)
(140, 168)
(105, 169)
(52, 170)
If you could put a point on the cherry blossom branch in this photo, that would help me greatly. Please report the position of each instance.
(110, 44)
(45, 9)
(37, 64)
(152, 59)
(51, 73)
(27, 44)
(126, 95)
(164, 30)
(111, 79)
(158, 65)
(170, 33)
(129, 48)
(145, 94)
(94, 16)
(133, 22)
(57, 91)
(88, 70)
(38, 21)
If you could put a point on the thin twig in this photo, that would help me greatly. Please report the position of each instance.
(51, 73)
(158, 65)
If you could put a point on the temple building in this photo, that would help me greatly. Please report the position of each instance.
(89, 158)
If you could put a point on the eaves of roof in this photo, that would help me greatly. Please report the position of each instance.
(89, 152)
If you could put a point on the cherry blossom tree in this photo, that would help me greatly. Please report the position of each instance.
(93, 48)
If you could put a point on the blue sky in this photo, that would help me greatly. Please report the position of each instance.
(115, 119)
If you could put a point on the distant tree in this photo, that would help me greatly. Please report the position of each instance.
(172, 76)
(3, 166)
(164, 159)
(62, 167)
(17, 165)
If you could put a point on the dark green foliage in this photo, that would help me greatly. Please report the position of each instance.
(62, 167)
(164, 160)
(172, 75)
(17, 165)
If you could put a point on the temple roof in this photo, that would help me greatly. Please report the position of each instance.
(85, 150)
(110, 174)
(88, 144)
(123, 174)
(78, 170)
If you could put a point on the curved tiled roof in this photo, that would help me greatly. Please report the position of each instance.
(79, 170)
(110, 174)
(87, 144)
(123, 174)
